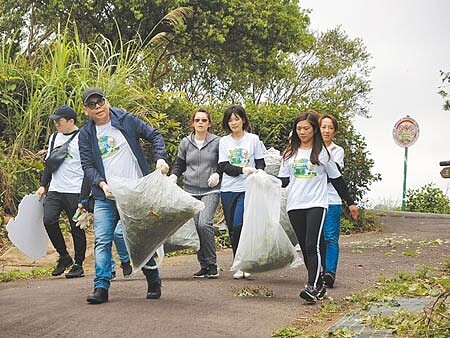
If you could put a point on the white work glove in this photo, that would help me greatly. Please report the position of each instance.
(108, 193)
(84, 220)
(162, 166)
(213, 180)
(248, 171)
(173, 178)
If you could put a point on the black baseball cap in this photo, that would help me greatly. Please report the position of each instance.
(90, 92)
(64, 111)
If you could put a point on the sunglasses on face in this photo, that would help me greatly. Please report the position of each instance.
(93, 103)
(203, 120)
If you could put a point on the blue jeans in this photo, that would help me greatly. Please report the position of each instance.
(121, 248)
(331, 229)
(233, 211)
(106, 217)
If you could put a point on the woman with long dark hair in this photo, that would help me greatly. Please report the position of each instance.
(306, 167)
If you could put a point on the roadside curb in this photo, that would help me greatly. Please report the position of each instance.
(408, 214)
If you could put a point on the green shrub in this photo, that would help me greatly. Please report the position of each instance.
(427, 199)
(19, 176)
(365, 222)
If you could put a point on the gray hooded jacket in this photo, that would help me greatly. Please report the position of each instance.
(197, 164)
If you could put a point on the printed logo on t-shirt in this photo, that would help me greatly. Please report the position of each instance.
(108, 146)
(238, 157)
(303, 168)
(69, 156)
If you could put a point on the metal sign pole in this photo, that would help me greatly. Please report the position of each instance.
(405, 166)
(405, 134)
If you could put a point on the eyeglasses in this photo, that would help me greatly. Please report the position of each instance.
(92, 104)
(203, 120)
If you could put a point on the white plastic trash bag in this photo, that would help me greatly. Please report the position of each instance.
(185, 237)
(263, 245)
(272, 158)
(151, 209)
(26, 231)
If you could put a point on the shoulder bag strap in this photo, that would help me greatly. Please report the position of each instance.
(52, 144)
(67, 142)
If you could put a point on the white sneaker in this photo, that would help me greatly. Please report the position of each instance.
(297, 248)
(239, 274)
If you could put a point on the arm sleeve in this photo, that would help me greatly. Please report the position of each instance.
(341, 187)
(260, 164)
(87, 161)
(284, 181)
(229, 169)
(86, 188)
(46, 177)
(179, 167)
(339, 158)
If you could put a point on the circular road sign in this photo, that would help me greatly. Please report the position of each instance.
(405, 132)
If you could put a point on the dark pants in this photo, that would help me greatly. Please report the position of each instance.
(308, 224)
(54, 204)
(233, 211)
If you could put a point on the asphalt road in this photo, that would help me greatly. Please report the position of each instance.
(57, 307)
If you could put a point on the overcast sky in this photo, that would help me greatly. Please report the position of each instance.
(409, 43)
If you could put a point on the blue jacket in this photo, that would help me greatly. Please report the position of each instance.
(133, 129)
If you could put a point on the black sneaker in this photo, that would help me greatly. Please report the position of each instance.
(321, 292)
(328, 279)
(212, 271)
(75, 272)
(62, 264)
(202, 273)
(154, 290)
(309, 294)
(100, 295)
(126, 268)
(113, 275)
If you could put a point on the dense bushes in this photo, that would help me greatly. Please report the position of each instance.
(57, 74)
(427, 199)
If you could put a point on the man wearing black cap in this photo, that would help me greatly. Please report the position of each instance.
(63, 187)
(110, 146)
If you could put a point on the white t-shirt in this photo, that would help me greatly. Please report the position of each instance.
(199, 143)
(337, 153)
(118, 159)
(308, 182)
(69, 176)
(240, 153)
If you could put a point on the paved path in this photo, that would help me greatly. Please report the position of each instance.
(56, 307)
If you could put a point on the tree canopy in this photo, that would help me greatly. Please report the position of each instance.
(260, 54)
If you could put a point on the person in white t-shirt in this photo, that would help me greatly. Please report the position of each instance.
(110, 145)
(331, 226)
(240, 155)
(306, 167)
(62, 189)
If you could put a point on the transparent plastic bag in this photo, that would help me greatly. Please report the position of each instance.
(263, 245)
(185, 237)
(272, 158)
(151, 208)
